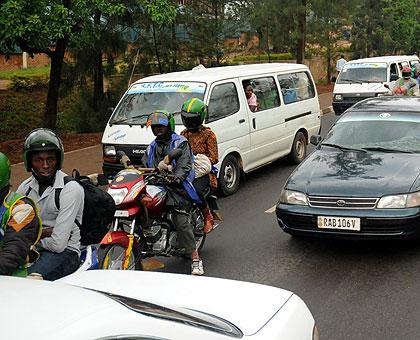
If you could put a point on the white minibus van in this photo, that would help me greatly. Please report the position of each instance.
(288, 114)
(365, 78)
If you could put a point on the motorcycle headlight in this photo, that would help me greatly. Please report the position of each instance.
(109, 150)
(338, 97)
(118, 194)
(293, 197)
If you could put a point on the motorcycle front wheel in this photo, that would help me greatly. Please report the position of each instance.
(112, 257)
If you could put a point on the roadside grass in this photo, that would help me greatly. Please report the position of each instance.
(28, 72)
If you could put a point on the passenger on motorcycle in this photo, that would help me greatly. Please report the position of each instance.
(203, 142)
(181, 192)
(43, 155)
(20, 226)
(405, 86)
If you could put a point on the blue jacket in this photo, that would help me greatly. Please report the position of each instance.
(175, 142)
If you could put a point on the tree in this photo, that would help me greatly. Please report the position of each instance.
(49, 26)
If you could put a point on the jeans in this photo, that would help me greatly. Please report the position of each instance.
(53, 266)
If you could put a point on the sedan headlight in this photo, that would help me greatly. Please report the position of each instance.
(293, 197)
(109, 150)
(399, 201)
(338, 97)
(118, 194)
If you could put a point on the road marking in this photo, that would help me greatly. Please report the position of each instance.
(271, 210)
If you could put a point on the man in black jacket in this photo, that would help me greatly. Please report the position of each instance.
(182, 192)
(20, 227)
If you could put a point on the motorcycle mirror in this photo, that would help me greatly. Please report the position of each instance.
(120, 154)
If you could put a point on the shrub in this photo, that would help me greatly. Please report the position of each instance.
(264, 57)
(20, 82)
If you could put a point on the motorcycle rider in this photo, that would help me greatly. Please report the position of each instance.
(20, 226)
(404, 86)
(43, 155)
(203, 142)
(181, 193)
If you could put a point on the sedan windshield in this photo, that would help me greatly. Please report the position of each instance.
(363, 73)
(145, 98)
(376, 135)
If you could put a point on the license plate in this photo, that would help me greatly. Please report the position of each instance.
(342, 223)
(121, 213)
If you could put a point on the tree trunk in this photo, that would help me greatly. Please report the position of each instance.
(98, 70)
(175, 47)
(57, 59)
(300, 53)
(98, 80)
(156, 48)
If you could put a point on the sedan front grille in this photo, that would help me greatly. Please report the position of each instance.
(342, 202)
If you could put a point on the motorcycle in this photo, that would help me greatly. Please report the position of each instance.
(143, 226)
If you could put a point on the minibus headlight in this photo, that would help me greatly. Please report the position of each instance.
(338, 97)
(109, 150)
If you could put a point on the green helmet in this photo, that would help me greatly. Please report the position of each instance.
(193, 113)
(42, 139)
(161, 117)
(4, 170)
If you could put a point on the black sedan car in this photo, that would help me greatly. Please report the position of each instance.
(363, 179)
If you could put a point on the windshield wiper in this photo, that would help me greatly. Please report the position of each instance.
(351, 80)
(126, 119)
(343, 148)
(378, 148)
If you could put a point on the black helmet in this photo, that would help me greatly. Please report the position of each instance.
(193, 113)
(42, 139)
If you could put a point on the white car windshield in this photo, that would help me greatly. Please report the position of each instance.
(363, 73)
(387, 135)
(144, 98)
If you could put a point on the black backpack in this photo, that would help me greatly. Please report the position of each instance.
(98, 209)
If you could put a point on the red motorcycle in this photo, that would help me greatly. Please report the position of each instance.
(143, 225)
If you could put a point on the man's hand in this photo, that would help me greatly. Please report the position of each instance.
(163, 167)
(46, 232)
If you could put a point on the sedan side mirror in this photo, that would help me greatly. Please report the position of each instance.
(315, 139)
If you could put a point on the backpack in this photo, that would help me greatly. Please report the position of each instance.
(98, 209)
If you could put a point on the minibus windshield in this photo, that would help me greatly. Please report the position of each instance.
(363, 73)
(144, 98)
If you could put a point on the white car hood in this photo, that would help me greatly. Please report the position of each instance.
(350, 88)
(248, 306)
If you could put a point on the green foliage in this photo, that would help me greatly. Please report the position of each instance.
(264, 57)
(20, 82)
(27, 72)
(20, 112)
(161, 12)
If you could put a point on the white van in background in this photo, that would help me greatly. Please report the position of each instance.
(288, 114)
(365, 78)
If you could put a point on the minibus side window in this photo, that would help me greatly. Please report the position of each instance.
(296, 87)
(265, 89)
(223, 102)
(393, 70)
